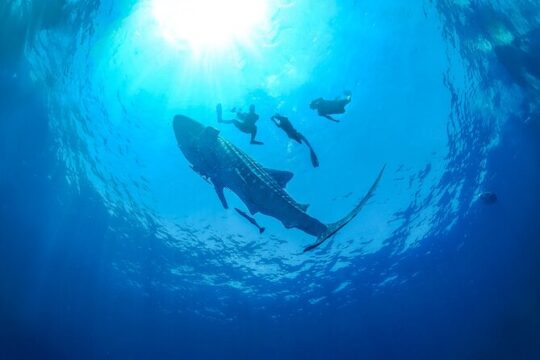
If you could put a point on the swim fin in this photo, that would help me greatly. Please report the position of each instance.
(314, 159)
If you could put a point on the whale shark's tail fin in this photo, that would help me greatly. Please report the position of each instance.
(333, 228)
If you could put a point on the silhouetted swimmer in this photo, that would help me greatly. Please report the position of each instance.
(245, 122)
(250, 219)
(326, 108)
(284, 123)
(488, 197)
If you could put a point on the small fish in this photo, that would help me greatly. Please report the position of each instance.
(488, 197)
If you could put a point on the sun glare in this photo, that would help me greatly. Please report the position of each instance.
(209, 25)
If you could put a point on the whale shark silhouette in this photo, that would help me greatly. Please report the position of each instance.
(261, 189)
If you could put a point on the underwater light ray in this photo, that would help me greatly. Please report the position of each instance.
(207, 25)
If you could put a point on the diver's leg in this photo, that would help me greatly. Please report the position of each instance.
(253, 135)
(239, 124)
(296, 136)
(219, 113)
(302, 138)
(314, 158)
(297, 139)
(234, 121)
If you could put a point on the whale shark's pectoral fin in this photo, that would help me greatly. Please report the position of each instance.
(280, 176)
(221, 195)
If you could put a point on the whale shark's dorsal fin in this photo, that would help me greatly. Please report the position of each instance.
(280, 176)
(304, 207)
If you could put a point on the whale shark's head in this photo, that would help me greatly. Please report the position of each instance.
(187, 132)
(186, 129)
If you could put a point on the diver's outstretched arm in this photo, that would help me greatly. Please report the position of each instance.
(330, 118)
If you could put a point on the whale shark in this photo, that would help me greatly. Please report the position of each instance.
(261, 189)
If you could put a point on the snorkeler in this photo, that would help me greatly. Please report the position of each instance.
(285, 125)
(326, 108)
(245, 122)
(250, 219)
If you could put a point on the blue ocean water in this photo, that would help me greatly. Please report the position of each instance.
(111, 246)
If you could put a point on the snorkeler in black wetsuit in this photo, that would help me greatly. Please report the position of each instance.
(284, 123)
(245, 122)
(326, 108)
